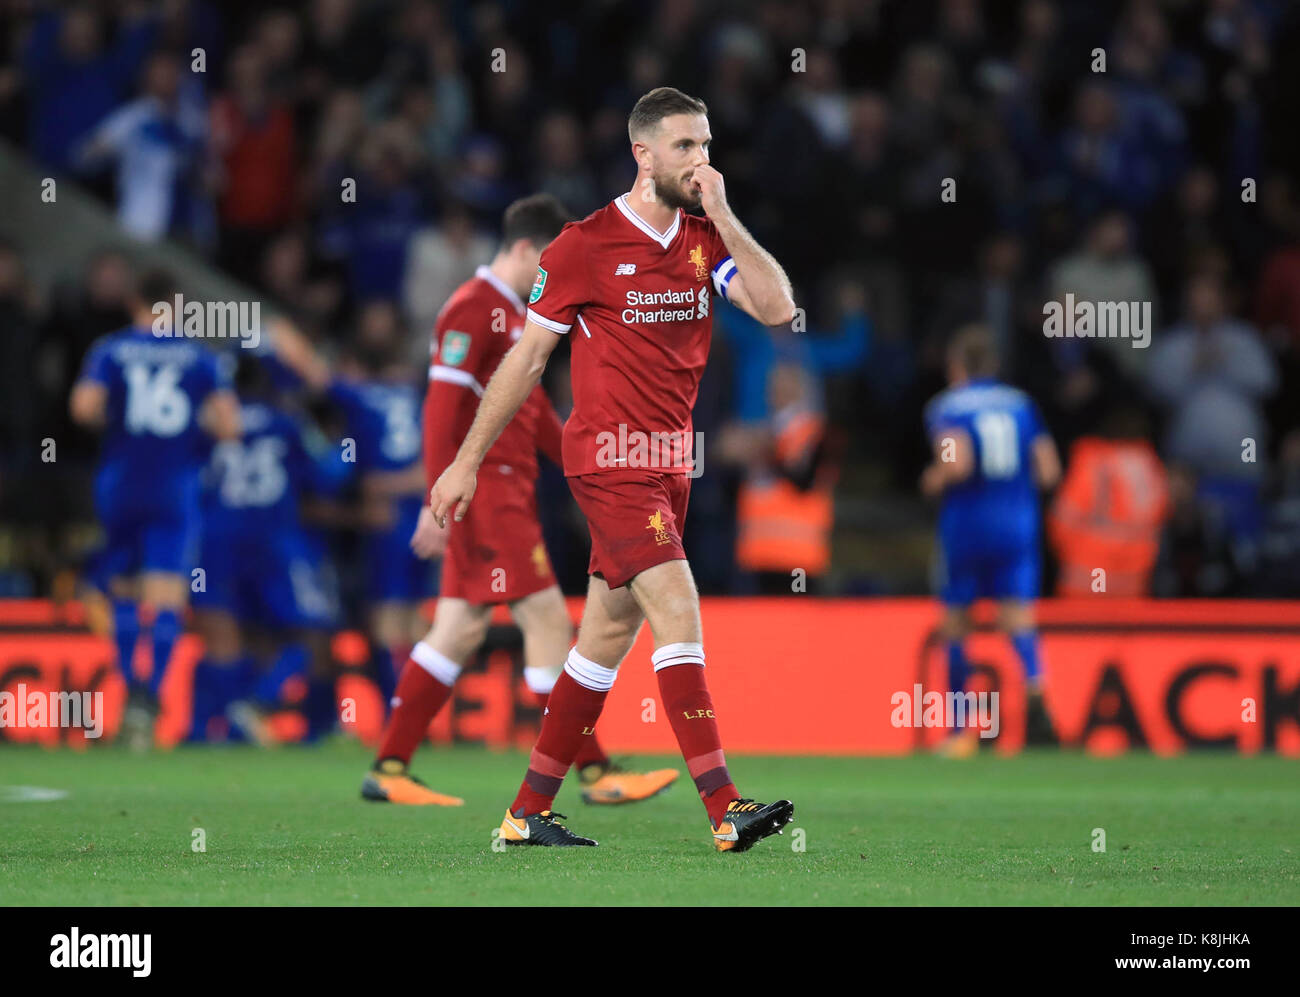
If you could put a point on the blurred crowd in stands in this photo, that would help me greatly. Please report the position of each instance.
(342, 155)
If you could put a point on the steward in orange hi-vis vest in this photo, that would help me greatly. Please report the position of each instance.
(785, 510)
(1108, 515)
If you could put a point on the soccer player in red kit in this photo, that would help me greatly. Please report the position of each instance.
(632, 285)
(495, 554)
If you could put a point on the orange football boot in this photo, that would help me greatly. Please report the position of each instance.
(390, 782)
(964, 743)
(611, 783)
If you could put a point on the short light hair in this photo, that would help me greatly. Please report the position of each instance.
(658, 104)
(973, 349)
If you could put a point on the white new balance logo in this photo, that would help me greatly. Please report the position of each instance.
(624, 269)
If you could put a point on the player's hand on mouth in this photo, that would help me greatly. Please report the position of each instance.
(452, 491)
(713, 194)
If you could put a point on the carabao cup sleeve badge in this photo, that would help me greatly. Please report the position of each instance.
(455, 347)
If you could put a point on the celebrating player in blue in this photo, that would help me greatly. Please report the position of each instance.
(381, 403)
(992, 454)
(267, 574)
(159, 399)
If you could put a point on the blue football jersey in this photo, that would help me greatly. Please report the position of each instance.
(384, 419)
(156, 387)
(263, 565)
(253, 484)
(996, 507)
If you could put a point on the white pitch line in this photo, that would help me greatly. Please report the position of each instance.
(30, 794)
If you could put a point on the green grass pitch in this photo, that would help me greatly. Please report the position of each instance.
(288, 827)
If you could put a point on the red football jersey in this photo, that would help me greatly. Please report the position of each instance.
(475, 329)
(639, 304)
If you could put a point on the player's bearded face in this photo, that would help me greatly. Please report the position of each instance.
(675, 189)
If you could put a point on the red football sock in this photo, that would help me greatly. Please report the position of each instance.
(419, 697)
(690, 711)
(589, 752)
(571, 713)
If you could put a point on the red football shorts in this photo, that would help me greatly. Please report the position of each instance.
(496, 554)
(636, 517)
